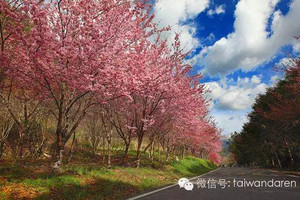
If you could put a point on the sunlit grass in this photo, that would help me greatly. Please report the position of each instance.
(193, 166)
(92, 181)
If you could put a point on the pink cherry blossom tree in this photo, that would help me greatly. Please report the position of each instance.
(74, 55)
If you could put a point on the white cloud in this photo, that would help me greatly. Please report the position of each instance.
(251, 44)
(232, 100)
(173, 12)
(285, 62)
(296, 47)
(274, 79)
(230, 121)
(218, 10)
(255, 79)
(211, 37)
(239, 95)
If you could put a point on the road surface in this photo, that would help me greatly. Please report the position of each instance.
(232, 183)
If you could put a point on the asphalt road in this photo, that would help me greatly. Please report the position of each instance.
(232, 183)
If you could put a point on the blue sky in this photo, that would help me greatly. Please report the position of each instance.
(235, 45)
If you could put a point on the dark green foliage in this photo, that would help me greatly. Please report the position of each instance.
(271, 138)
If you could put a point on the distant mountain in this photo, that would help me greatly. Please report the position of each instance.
(225, 143)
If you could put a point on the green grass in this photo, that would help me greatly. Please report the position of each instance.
(192, 166)
(57, 181)
(92, 181)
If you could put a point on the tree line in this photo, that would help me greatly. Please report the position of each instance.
(96, 72)
(271, 138)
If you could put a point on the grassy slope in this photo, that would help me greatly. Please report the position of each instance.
(193, 166)
(94, 182)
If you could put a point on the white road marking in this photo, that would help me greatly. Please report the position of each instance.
(158, 190)
(278, 172)
(293, 176)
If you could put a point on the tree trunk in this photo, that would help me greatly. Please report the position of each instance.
(289, 151)
(127, 145)
(109, 133)
(71, 148)
(125, 157)
(1, 149)
(58, 163)
(59, 150)
(183, 153)
(158, 149)
(2, 73)
(168, 153)
(273, 163)
(138, 153)
(103, 149)
(151, 153)
(278, 160)
(172, 150)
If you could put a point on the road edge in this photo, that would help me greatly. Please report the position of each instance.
(281, 172)
(167, 187)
